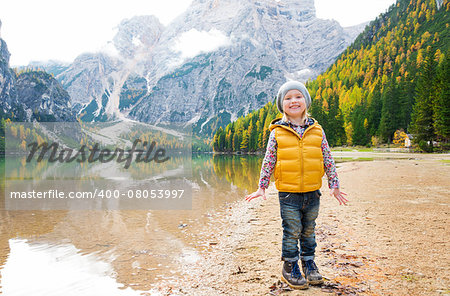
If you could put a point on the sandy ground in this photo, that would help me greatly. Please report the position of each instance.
(391, 239)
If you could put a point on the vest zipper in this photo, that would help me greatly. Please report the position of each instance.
(302, 183)
(302, 166)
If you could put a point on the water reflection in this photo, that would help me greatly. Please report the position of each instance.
(107, 179)
(240, 171)
(45, 269)
(118, 249)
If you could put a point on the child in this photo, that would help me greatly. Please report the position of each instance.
(299, 154)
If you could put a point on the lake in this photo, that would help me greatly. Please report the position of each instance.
(125, 252)
(116, 252)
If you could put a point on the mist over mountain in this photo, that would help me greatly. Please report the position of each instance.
(29, 95)
(150, 73)
(217, 61)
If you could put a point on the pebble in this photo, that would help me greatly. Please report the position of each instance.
(181, 226)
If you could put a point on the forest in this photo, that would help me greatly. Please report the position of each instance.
(392, 81)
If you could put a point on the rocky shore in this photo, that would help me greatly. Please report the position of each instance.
(391, 239)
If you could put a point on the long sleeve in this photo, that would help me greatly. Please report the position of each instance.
(329, 164)
(269, 161)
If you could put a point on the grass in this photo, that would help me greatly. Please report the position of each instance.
(365, 150)
(348, 159)
(356, 148)
(364, 159)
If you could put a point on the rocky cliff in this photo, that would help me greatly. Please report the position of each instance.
(43, 97)
(153, 77)
(8, 97)
(31, 95)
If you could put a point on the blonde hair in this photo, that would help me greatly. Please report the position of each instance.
(305, 116)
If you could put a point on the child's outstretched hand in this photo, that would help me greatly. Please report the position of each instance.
(339, 195)
(257, 193)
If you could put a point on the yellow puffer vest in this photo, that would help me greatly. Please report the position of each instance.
(299, 166)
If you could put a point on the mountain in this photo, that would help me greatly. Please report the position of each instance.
(254, 47)
(394, 77)
(51, 66)
(7, 80)
(353, 31)
(87, 78)
(31, 95)
(95, 81)
(43, 98)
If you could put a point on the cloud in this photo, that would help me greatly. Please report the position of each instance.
(62, 30)
(351, 12)
(194, 42)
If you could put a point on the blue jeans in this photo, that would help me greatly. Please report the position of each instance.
(299, 212)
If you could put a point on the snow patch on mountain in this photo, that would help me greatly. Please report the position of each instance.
(194, 42)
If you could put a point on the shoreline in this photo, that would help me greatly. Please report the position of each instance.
(373, 246)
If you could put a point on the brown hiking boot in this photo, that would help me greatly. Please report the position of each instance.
(312, 272)
(292, 276)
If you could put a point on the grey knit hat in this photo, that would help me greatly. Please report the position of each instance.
(287, 87)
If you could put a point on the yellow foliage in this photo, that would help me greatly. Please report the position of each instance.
(419, 59)
(428, 16)
(425, 36)
(22, 132)
(423, 7)
(399, 138)
(437, 55)
(329, 92)
(349, 131)
(13, 131)
(384, 79)
(324, 93)
(436, 37)
(375, 141)
(23, 145)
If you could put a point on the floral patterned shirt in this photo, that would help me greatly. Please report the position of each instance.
(270, 158)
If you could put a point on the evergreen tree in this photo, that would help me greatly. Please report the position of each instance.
(253, 138)
(422, 117)
(359, 134)
(335, 123)
(374, 111)
(441, 105)
(380, 71)
(389, 112)
(405, 101)
(216, 142)
(236, 142)
(221, 139)
(316, 110)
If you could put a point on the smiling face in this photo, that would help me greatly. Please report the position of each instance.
(294, 104)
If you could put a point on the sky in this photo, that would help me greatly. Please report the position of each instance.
(61, 30)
